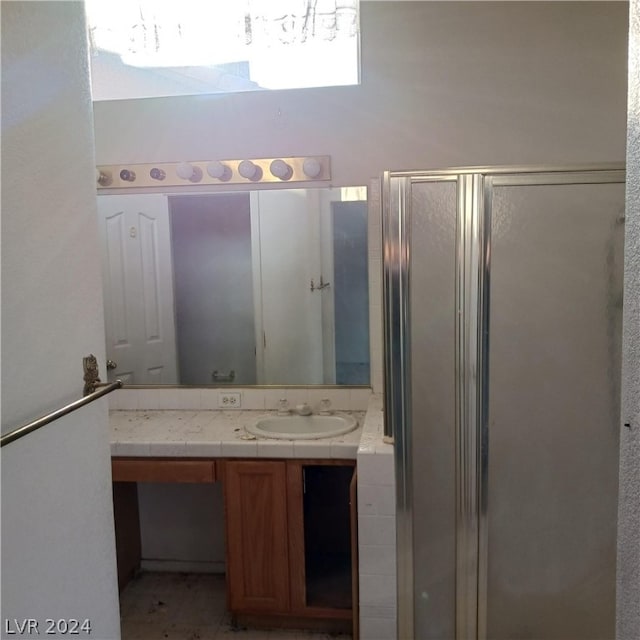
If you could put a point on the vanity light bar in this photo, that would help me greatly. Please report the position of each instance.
(245, 171)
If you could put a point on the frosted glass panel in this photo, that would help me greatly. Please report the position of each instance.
(554, 369)
(432, 321)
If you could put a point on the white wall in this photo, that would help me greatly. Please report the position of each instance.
(628, 587)
(58, 551)
(182, 527)
(443, 84)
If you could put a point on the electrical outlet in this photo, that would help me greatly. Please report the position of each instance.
(229, 400)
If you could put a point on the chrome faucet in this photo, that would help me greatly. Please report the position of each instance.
(283, 407)
(325, 407)
(303, 409)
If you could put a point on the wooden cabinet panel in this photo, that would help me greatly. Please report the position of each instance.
(257, 537)
(297, 572)
(150, 470)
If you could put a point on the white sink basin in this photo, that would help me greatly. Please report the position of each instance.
(295, 427)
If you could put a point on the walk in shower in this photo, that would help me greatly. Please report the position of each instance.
(503, 313)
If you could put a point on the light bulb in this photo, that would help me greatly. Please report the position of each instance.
(311, 168)
(127, 176)
(280, 169)
(103, 178)
(189, 172)
(218, 170)
(185, 171)
(157, 174)
(247, 169)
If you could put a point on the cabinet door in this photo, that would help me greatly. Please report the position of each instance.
(257, 540)
(321, 538)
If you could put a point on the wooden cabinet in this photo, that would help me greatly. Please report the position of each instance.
(291, 542)
(257, 542)
(290, 533)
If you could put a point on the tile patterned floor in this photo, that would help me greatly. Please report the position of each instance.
(181, 606)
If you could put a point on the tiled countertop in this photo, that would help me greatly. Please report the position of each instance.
(217, 434)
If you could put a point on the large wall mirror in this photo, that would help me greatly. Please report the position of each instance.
(262, 287)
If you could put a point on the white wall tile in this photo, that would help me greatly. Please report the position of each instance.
(379, 560)
(344, 450)
(149, 398)
(273, 396)
(187, 399)
(386, 500)
(377, 591)
(203, 449)
(166, 398)
(297, 396)
(339, 399)
(253, 399)
(209, 399)
(311, 449)
(367, 499)
(376, 469)
(123, 399)
(168, 448)
(368, 611)
(376, 530)
(240, 448)
(376, 500)
(366, 448)
(130, 449)
(378, 629)
(275, 448)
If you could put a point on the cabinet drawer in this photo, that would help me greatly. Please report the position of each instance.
(149, 470)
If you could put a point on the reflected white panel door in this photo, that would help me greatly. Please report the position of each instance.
(285, 232)
(138, 284)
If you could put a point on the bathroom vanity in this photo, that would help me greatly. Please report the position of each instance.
(289, 510)
(291, 538)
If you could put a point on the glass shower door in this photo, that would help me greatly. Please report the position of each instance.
(503, 313)
(549, 537)
(420, 274)
(432, 287)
